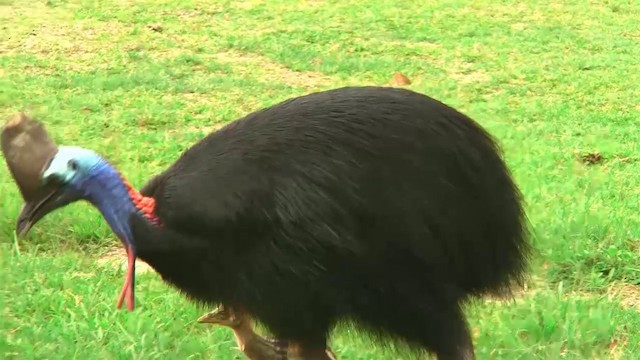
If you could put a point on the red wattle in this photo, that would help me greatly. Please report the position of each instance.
(145, 204)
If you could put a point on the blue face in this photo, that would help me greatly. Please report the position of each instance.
(72, 167)
(67, 179)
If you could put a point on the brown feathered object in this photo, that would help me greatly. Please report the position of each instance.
(27, 149)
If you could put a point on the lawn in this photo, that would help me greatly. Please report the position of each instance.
(558, 83)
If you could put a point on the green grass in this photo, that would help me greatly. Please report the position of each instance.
(553, 81)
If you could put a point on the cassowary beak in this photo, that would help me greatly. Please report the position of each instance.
(31, 212)
(39, 206)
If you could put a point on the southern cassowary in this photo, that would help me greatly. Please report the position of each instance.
(376, 205)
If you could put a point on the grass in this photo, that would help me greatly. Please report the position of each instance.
(140, 81)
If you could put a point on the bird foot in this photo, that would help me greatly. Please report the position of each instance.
(254, 346)
(221, 316)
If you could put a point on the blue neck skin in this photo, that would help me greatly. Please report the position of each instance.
(105, 189)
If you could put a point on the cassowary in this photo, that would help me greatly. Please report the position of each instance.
(375, 205)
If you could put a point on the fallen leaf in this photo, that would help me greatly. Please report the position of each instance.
(592, 158)
(400, 79)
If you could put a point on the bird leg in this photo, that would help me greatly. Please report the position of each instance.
(254, 346)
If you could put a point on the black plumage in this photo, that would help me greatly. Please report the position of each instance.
(377, 205)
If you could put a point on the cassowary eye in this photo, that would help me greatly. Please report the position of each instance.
(73, 165)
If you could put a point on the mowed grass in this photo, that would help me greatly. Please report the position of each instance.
(140, 81)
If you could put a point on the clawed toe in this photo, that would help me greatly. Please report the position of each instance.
(254, 346)
(220, 316)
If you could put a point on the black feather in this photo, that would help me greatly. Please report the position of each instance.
(378, 205)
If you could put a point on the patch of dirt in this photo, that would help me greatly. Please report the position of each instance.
(194, 129)
(155, 27)
(271, 71)
(72, 40)
(617, 347)
(82, 44)
(591, 158)
(629, 295)
(465, 73)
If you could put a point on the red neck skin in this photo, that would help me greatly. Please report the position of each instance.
(145, 204)
(146, 207)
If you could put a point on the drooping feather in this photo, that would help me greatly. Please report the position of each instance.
(27, 147)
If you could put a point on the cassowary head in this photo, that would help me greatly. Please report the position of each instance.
(66, 177)
(73, 174)
(50, 177)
